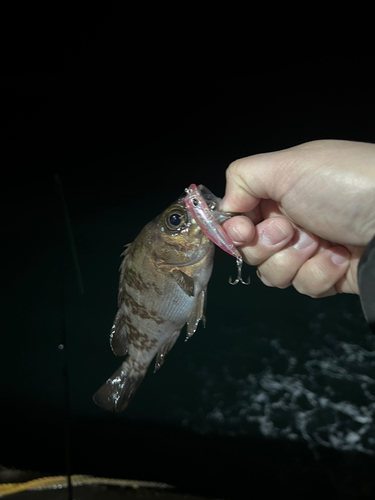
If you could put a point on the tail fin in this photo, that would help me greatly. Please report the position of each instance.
(117, 392)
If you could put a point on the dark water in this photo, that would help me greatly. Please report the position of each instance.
(271, 365)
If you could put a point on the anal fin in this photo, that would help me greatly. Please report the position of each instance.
(197, 313)
(164, 350)
(118, 338)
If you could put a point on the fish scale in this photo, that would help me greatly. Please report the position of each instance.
(163, 282)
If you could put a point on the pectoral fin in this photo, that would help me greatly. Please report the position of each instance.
(164, 350)
(197, 313)
(185, 282)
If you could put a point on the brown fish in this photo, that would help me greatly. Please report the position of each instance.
(163, 285)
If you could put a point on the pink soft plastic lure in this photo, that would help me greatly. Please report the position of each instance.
(204, 217)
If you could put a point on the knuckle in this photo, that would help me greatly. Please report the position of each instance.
(262, 278)
(234, 169)
(311, 281)
(305, 290)
(251, 257)
(282, 286)
(275, 283)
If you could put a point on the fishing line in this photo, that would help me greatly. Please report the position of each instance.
(63, 346)
(69, 230)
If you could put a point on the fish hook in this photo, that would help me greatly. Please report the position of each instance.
(239, 262)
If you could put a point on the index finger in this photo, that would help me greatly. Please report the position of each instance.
(251, 179)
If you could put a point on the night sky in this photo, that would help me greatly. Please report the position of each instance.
(138, 96)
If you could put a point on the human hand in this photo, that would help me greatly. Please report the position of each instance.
(309, 213)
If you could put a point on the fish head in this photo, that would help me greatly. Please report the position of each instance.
(213, 203)
(177, 239)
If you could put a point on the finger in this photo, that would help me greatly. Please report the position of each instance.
(240, 229)
(264, 210)
(271, 235)
(270, 208)
(280, 269)
(253, 178)
(318, 276)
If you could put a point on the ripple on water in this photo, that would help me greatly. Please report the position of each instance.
(325, 397)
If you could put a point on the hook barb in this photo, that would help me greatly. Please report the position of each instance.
(239, 279)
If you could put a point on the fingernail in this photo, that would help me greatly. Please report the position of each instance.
(339, 259)
(273, 234)
(304, 240)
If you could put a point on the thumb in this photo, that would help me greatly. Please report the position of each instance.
(251, 179)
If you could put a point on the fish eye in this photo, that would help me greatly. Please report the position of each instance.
(174, 219)
(195, 202)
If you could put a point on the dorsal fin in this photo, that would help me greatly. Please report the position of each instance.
(121, 289)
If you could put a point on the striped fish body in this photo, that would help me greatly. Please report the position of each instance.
(163, 286)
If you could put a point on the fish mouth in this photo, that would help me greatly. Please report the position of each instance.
(221, 217)
(213, 203)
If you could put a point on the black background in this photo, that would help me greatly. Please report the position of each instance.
(137, 96)
(129, 98)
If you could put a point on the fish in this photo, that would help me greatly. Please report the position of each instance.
(209, 222)
(162, 286)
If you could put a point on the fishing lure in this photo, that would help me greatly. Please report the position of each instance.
(204, 216)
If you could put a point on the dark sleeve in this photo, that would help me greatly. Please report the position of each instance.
(366, 283)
